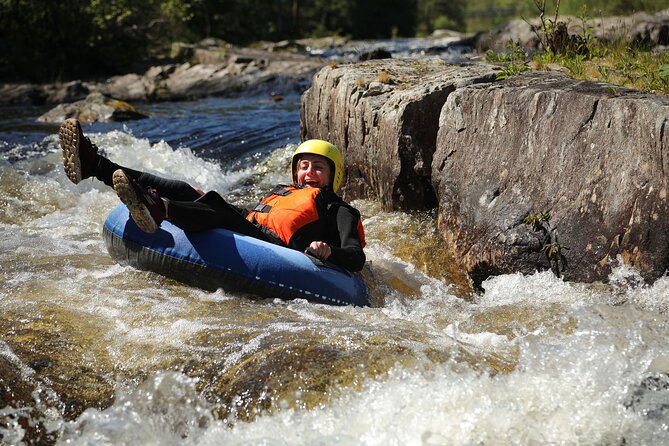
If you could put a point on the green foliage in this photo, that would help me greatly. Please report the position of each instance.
(483, 15)
(78, 38)
(663, 72)
(38, 47)
(513, 61)
(620, 63)
(552, 248)
(554, 35)
(59, 40)
(440, 14)
(602, 8)
(376, 18)
(537, 220)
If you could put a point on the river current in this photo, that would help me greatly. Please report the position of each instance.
(101, 354)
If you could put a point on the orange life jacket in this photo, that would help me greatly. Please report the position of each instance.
(289, 209)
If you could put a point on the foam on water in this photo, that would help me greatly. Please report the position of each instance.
(163, 160)
(531, 360)
(571, 389)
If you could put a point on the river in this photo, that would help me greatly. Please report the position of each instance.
(94, 353)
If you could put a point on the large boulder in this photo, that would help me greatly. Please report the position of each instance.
(591, 157)
(539, 171)
(384, 116)
(132, 87)
(642, 29)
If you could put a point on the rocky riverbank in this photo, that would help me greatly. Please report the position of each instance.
(533, 172)
(209, 68)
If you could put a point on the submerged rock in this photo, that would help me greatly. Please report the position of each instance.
(535, 172)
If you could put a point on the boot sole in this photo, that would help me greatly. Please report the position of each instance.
(69, 143)
(129, 197)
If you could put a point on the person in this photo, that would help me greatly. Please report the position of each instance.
(306, 215)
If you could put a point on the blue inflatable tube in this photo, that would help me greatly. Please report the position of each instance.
(220, 258)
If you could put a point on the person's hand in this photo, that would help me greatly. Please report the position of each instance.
(319, 249)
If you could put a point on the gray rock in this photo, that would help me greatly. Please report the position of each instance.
(210, 57)
(181, 51)
(648, 30)
(215, 71)
(517, 31)
(590, 155)
(96, 107)
(192, 81)
(21, 93)
(129, 87)
(490, 154)
(383, 115)
(68, 92)
(212, 69)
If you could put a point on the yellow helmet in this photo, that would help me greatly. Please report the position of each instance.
(322, 148)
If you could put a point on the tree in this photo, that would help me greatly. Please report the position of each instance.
(60, 40)
(384, 19)
(440, 14)
(46, 38)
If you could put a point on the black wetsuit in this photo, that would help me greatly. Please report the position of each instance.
(192, 211)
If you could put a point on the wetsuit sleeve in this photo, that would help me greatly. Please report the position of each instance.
(349, 254)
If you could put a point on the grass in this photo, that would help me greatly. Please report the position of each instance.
(513, 62)
(484, 15)
(620, 64)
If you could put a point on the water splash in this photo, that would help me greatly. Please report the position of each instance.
(105, 354)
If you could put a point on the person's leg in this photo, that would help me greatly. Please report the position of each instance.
(209, 212)
(150, 198)
(82, 160)
(166, 188)
(80, 156)
(146, 207)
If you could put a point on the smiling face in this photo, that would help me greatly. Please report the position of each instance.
(313, 171)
